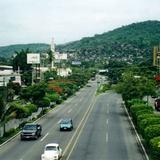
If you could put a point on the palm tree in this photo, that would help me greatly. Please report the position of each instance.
(50, 58)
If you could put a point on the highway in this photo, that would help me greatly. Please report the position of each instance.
(101, 131)
(108, 134)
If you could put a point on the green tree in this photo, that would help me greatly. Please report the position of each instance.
(20, 61)
(15, 86)
(132, 86)
(2, 108)
(50, 75)
(34, 93)
(50, 57)
(10, 95)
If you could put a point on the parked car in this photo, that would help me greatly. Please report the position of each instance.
(31, 131)
(52, 151)
(157, 104)
(66, 124)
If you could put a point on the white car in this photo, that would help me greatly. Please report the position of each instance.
(52, 151)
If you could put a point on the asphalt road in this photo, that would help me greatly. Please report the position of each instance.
(107, 134)
(75, 108)
(101, 131)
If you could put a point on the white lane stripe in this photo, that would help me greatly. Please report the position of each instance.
(59, 121)
(107, 111)
(106, 137)
(107, 121)
(44, 137)
(69, 111)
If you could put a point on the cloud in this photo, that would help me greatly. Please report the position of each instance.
(67, 20)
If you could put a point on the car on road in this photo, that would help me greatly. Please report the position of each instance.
(66, 124)
(52, 151)
(31, 131)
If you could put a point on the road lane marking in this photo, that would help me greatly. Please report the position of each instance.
(44, 137)
(106, 137)
(69, 111)
(107, 121)
(107, 111)
(80, 129)
(59, 121)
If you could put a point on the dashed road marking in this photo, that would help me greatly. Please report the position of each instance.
(44, 137)
(107, 121)
(59, 121)
(106, 137)
(69, 111)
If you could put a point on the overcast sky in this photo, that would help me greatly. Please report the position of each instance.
(32, 21)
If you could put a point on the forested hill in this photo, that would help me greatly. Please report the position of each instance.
(134, 39)
(8, 51)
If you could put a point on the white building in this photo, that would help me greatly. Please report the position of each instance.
(7, 74)
(64, 72)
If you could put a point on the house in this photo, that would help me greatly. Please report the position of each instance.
(7, 74)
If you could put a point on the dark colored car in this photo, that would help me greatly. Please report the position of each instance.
(66, 124)
(157, 104)
(31, 131)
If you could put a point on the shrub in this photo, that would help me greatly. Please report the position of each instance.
(152, 131)
(141, 112)
(53, 97)
(10, 132)
(44, 102)
(31, 107)
(56, 89)
(146, 115)
(147, 122)
(134, 102)
(154, 146)
(69, 91)
(21, 111)
(140, 109)
(59, 101)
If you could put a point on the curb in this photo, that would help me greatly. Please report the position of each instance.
(137, 135)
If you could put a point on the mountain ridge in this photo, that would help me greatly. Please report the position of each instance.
(135, 39)
(9, 51)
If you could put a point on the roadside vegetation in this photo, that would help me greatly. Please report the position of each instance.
(103, 88)
(45, 95)
(147, 124)
(134, 85)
